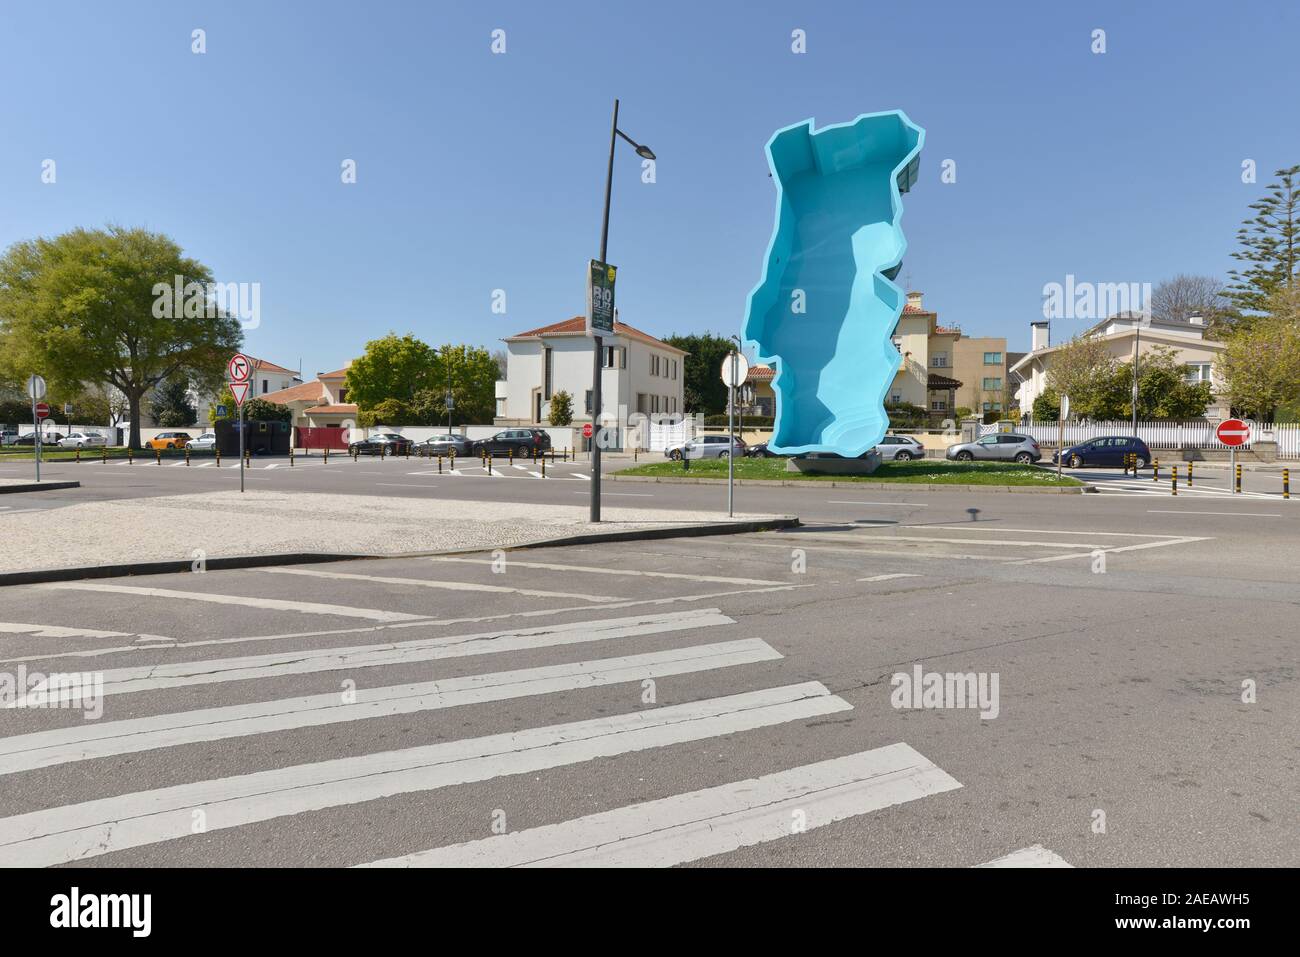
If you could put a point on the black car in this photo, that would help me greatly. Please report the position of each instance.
(1108, 451)
(444, 445)
(759, 451)
(381, 443)
(521, 442)
(47, 438)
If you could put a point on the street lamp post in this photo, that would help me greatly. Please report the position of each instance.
(598, 352)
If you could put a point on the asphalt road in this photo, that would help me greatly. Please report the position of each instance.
(720, 701)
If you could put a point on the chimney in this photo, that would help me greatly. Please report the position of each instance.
(914, 300)
(1196, 320)
(1038, 336)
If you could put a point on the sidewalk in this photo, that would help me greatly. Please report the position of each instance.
(213, 525)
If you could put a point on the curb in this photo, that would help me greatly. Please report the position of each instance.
(819, 483)
(38, 487)
(40, 576)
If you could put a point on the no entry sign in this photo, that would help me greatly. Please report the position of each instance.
(240, 367)
(1233, 432)
(42, 411)
(586, 431)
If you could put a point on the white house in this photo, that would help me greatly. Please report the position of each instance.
(1122, 334)
(640, 373)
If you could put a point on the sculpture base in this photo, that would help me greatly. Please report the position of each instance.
(834, 465)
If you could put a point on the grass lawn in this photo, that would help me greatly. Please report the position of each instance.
(926, 472)
(50, 453)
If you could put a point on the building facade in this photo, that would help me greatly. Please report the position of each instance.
(943, 370)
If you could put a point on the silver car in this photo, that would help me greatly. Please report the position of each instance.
(706, 447)
(998, 447)
(208, 440)
(900, 447)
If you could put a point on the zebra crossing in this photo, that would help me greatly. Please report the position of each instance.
(150, 708)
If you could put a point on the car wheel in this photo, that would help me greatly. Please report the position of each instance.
(1024, 458)
(964, 456)
(1140, 462)
(724, 454)
(675, 455)
(1076, 462)
(903, 456)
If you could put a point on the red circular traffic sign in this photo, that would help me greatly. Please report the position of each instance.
(42, 410)
(586, 431)
(239, 367)
(1233, 432)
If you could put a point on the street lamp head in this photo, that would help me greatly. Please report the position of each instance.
(645, 152)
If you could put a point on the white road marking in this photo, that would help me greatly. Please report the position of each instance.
(274, 465)
(102, 739)
(1124, 548)
(982, 542)
(1033, 856)
(601, 570)
(623, 494)
(1182, 511)
(906, 504)
(1046, 531)
(699, 824)
(885, 578)
(214, 671)
(536, 474)
(245, 601)
(885, 551)
(582, 475)
(79, 831)
(447, 585)
(58, 631)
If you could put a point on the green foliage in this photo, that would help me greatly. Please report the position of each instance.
(1270, 242)
(170, 404)
(255, 410)
(561, 409)
(81, 308)
(394, 367)
(1047, 406)
(702, 388)
(904, 415)
(1103, 391)
(390, 412)
(417, 377)
(963, 412)
(1261, 364)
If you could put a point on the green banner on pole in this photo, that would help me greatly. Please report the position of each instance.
(600, 298)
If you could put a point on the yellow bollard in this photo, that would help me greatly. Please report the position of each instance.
(543, 466)
(157, 455)
(1155, 470)
(327, 456)
(1237, 486)
(291, 456)
(452, 465)
(511, 453)
(1286, 483)
(187, 456)
(78, 454)
(130, 456)
(218, 451)
(1173, 487)
(105, 454)
(489, 462)
(1189, 474)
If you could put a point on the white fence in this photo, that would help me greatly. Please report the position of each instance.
(1195, 434)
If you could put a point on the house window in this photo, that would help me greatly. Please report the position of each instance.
(642, 405)
(992, 384)
(615, 357)
(674, 368)
(343, 396)
(896, 398)
(654, 364)
(547, 368)
(939, 361)
(589, 402)
(993, 358)
(939, 405)
(265, 390)
(1197, 372)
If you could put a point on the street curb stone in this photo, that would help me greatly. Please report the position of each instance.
(38, 487)
(818, 483)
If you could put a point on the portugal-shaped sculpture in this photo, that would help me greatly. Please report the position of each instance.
(824, 313)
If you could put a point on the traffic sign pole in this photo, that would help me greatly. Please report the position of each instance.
(36, 448)
(241, 447)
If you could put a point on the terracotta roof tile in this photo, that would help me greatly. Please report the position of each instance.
(578, 326)
(263, 366)
(312, 391)
(345, 409)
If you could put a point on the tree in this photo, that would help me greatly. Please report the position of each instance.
(1047, 406)
(391, 412)
(1163, 389)
(85, 308)
(255, 410)
(561, 409)
(394, 367)
(1085, 370)
(1270, 243)
(902, 415)
(170, 403)
(702, 388)
(1184, 296)
(1261, 364)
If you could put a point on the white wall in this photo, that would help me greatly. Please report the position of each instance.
(561, 438)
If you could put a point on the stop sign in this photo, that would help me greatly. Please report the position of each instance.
(586, 431)
(42, 411)
(1233, 432)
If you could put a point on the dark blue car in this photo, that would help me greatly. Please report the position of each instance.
(1108, 452)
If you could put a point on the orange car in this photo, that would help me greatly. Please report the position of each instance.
(168, 440)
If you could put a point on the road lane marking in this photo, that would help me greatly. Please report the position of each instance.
(885, 578)
(246, 601)
(624, 494)
(102, 739)
(597, 570)
(582, 475)
(1180, 511)
(79, 831)
(447, 585)
(58, 631)
(1033, 856)
(906, 504)
(885, 551)
(180, 674)
(699, 824)
(1124, 548)
(982, 542)
(1047, 531)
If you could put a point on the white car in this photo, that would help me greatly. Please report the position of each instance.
(900, 447)
(83, 440)
(208, 440)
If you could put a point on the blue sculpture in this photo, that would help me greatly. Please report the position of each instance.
(824, 313)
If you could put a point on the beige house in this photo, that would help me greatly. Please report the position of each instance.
(942, 369)
(321, 402)
(1125, 334)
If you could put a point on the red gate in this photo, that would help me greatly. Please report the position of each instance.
(322, 437)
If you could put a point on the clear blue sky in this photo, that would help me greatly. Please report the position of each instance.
(479, 171)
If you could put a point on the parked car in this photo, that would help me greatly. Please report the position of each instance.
(47, 438)
(1109, 451)
(706, 447)
(519, 441)
(206, 441)
(999, 447)
(903, 448)
(759, 451)
(444, 445)
(168, 440)
(381, 443)
(8, 437)
(83, 440)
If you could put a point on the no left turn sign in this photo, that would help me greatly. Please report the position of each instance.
(240, 367)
